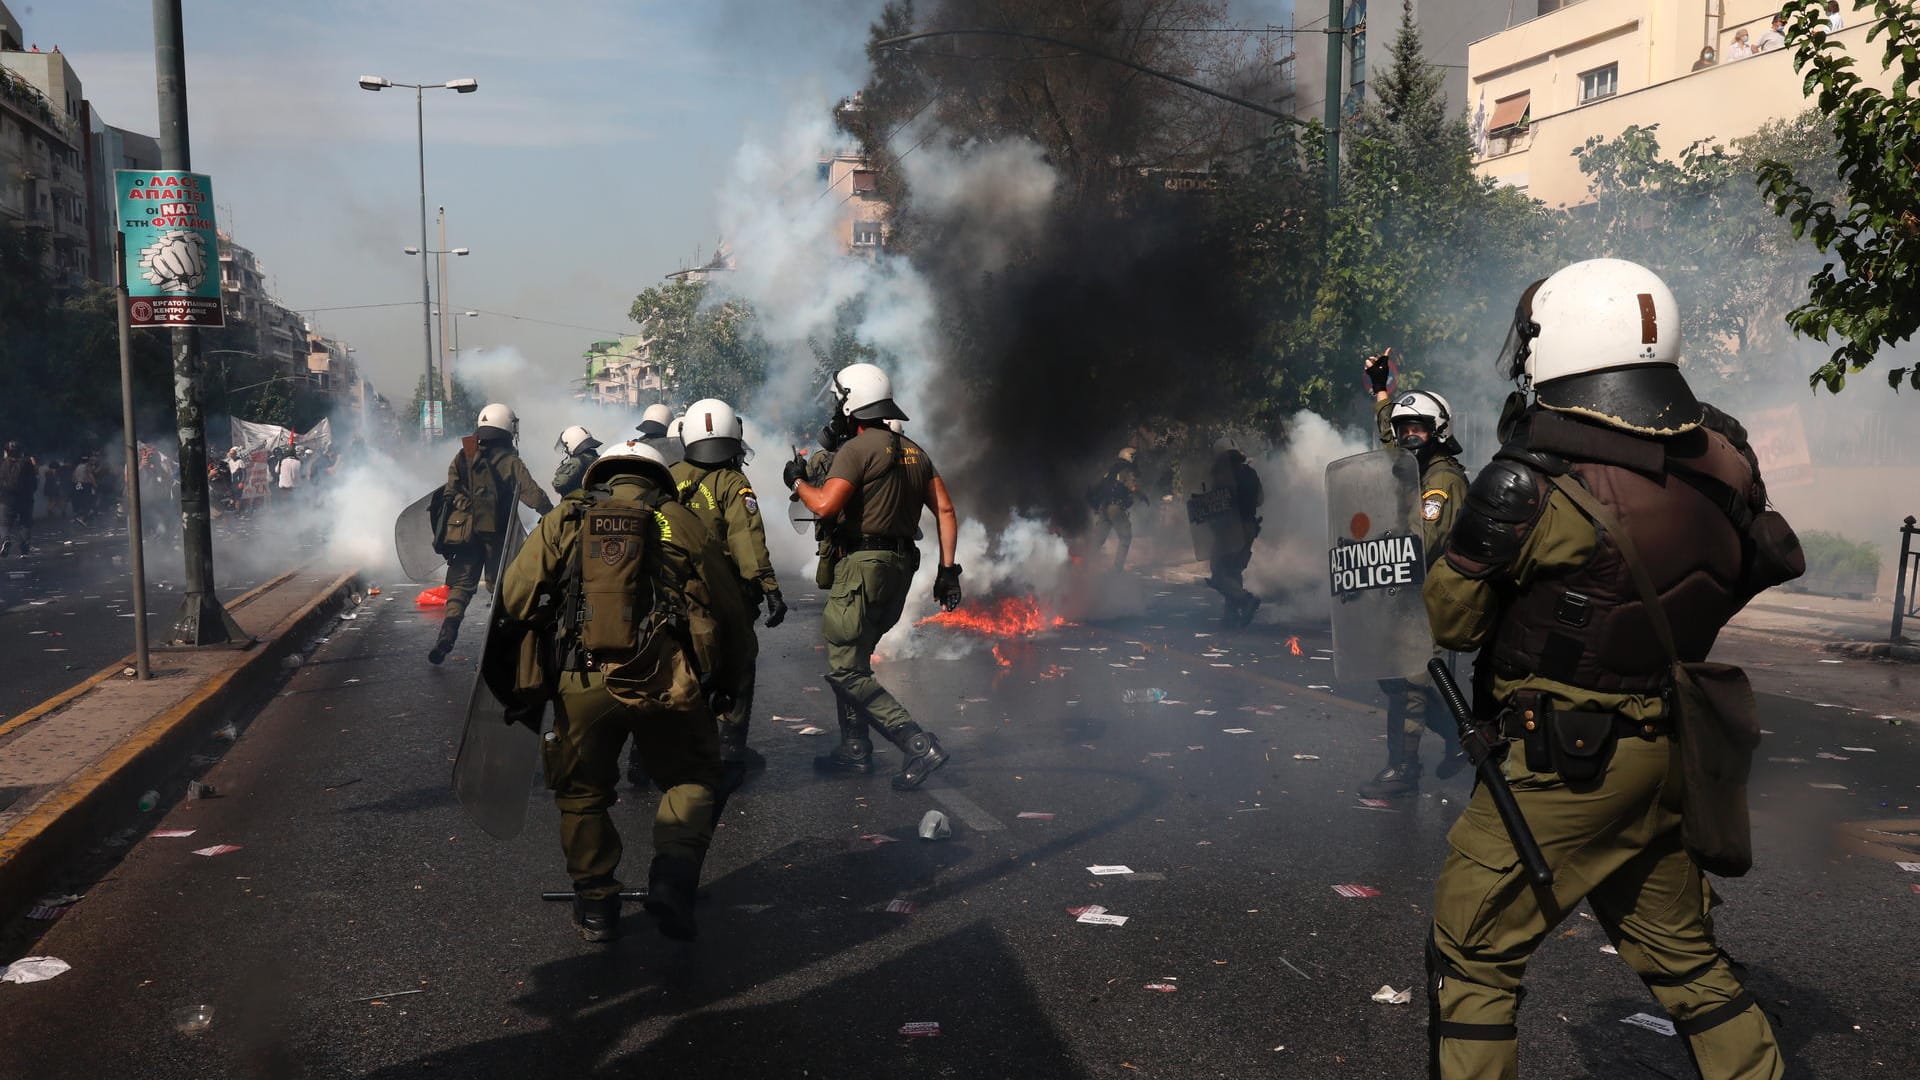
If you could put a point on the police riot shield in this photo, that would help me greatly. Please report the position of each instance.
(800, 517)
(413, 539)
(493, 771)
(1376, 563)
(1217, 526)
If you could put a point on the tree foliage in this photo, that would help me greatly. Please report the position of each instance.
(1698, 221)
(707, 345)
(60, 358)
(1868, 296)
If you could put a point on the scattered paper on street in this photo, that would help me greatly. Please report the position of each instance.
(1160, 987)
(1103, 871)
(1909, 867)
(1356, 892)
(810, 729)
(1387, 995)
(1306, 757)
(1096, 918)
(902, 907)
(1034, 815)
(171, 834)
(217, 849)
(920, 1029)
(1237, 730)
(1655, 1024)
(879, 838)
(32, 969)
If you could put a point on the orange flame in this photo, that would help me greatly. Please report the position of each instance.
(1001, 658)
(1009, 617)
(1293, 646)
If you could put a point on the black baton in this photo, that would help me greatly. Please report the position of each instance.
(1480, 750)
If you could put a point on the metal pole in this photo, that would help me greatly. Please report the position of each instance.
(446, 362)
(426, 287)
(1900, 587)
(136, 539)
(202, 621)
(1336, 31)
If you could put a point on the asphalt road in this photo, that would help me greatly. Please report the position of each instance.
(358, 877)
(66, 611)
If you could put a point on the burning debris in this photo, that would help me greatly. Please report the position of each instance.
(1007, 618)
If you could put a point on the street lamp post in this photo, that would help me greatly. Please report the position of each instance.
(459, 86)
(440, 262)
(454, 349)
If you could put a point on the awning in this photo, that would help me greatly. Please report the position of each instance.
(1511, 112)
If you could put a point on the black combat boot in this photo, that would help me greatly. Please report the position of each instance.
(671, 886)
(1452, 759)
(855, 752)
(1401, 777)
(597, 920)
(923, 755)
(442, 645)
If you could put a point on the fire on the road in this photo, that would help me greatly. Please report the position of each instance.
(1008, 617)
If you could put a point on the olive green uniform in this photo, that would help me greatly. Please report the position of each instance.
(492, 477)
(680, 751)
(1411, 701)
(875, 559)
(572, 471)
(1615, 843)
(723, 499)
(1118, 490)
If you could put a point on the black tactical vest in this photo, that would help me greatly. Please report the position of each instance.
(1588, 627)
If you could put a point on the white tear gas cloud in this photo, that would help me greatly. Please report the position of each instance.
(792, 268)
(1290, 558)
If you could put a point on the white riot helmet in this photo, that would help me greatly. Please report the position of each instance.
(501, 419)
(633, 456)
(711, 432)
(896, 427)
(1601, 339)
(653, 422)
(669, 445)
(575, 439)
(1431, 409)
(866, 393)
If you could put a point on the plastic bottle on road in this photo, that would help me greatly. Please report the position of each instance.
(148, 801)
(1149, 696)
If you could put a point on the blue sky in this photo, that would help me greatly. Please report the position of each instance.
(583, 169)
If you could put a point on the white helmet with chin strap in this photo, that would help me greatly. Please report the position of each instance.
(864, 392)
(1601, 339)
(500, 418)
(633, 456)
(711, 432)
(575, 439)
(653, 422)
(1431, 409)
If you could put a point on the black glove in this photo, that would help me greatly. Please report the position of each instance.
(776, 608)
(720, 701)
(1380, 371)
(946, 586)
(793, 472)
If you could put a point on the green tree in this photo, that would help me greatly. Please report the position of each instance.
(459, 412)
(1868, 295)
(707, 344)
(1421, 254)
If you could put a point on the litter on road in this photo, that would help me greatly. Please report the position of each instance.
(902, 907)
(1034, 815)
(1160, 987)
(1356, 892)
(934, 826)
(920, 1029)
(1387, 995)
(217, 849)
(1103, 871)
(810, 729)
(1655, 1024)
(1101, 918)
(31, 969)
(1306, 757)
(1237, 730)
(171, 834)
(1909, 867)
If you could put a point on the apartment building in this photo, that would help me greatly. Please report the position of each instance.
(1543, 87)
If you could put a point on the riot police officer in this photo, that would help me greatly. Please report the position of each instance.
(650, 629)
(1421, 423)
(1231, 473)
(1112, 502)
(711, 485)
(580, 448)
(1608, 489)
(878, 484)
(486, 477)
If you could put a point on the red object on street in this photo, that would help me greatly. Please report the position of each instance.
(434, 597)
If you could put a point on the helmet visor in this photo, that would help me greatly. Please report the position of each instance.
(1512, 360)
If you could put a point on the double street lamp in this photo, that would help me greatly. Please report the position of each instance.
(459, 86)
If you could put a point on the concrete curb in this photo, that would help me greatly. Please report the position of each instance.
(1877, 650)
(113, 670)
(99, 797)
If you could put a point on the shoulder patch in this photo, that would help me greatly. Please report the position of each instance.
(1431, 504)
(753, 504)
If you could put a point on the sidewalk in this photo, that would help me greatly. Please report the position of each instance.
(78, 762)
